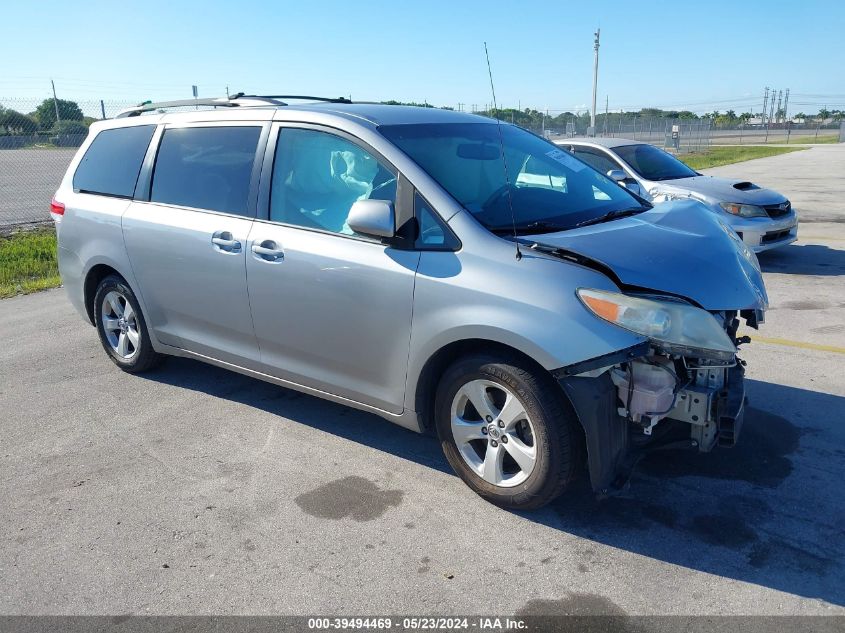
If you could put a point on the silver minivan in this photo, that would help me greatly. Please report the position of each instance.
(449, 273)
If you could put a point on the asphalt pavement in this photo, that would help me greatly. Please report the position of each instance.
(191, 490)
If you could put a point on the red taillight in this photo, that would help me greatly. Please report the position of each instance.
(56, 207)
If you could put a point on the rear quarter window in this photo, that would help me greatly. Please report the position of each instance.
(112, 162)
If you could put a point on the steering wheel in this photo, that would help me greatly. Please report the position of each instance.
(390, 181)
(496, 196)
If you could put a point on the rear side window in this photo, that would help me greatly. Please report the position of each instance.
(206, 167)
(113, 161)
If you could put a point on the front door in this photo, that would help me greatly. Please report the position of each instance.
(331, 309)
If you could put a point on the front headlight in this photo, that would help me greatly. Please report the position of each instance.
(744, 210)
(673, 326)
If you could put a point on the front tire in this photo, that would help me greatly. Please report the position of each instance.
(507, 430)
(121, 327)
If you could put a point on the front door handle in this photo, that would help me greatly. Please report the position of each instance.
(268, 251)
(224, 241)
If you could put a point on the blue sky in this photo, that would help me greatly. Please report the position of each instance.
(701, 56)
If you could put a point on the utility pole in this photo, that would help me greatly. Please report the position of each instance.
(595, 81)
(771, 114)
(606, 102)
(765, 103)
(778, 112)
(55, 101)
(786, 106)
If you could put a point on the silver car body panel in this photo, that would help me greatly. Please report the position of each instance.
(660, 250)
(355, 321)
(333, 314)
(195, 291)
(711, 191)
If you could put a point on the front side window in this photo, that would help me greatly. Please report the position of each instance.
(318, 176)
(653, 163)
(546, 188)
(596, 159)
(206, 168)
(113, 161)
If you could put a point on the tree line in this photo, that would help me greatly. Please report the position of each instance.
(43, 119)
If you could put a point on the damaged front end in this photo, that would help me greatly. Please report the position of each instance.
(684, 281)
(659, 394)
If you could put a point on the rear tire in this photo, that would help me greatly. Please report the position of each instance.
(121, 327)
(507, 430)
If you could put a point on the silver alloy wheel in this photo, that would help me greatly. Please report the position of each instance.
(120, 325)
(493, 433)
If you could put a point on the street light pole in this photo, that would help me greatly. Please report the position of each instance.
(595, 82)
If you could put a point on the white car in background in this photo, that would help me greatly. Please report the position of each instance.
(763, 218)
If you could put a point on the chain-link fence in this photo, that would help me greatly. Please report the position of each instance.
(679, 136)
(786, 132)
(36, 147)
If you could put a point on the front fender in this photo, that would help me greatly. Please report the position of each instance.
(529, 305)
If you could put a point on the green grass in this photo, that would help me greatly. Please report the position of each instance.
(827, 138)
(716, 156)
(28, 262)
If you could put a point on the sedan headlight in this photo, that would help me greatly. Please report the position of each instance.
(674, 327)
(744, 210)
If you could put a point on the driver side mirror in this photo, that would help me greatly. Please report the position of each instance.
(617, 175)
(622, 179)
(374, 218)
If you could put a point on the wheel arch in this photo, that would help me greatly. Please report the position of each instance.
(93, 277)
(426, 383)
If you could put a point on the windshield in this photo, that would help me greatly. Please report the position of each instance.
(653, 163)
(550, 190)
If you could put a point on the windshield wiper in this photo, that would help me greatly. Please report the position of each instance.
(612, 215)
(532, 227)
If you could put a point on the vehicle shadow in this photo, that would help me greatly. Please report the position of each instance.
(770, 511)
(804, 259)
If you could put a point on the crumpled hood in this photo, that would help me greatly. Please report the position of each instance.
(721, 190)
(677, 247)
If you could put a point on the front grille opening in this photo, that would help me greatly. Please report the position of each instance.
(775, 236)
(778, 210)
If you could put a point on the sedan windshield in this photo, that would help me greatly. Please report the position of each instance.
(548, 188)
(653, 163)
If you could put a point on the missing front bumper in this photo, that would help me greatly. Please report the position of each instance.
(714, 414)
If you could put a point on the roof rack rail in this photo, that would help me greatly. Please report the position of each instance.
(299, 97)
(233, 101)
